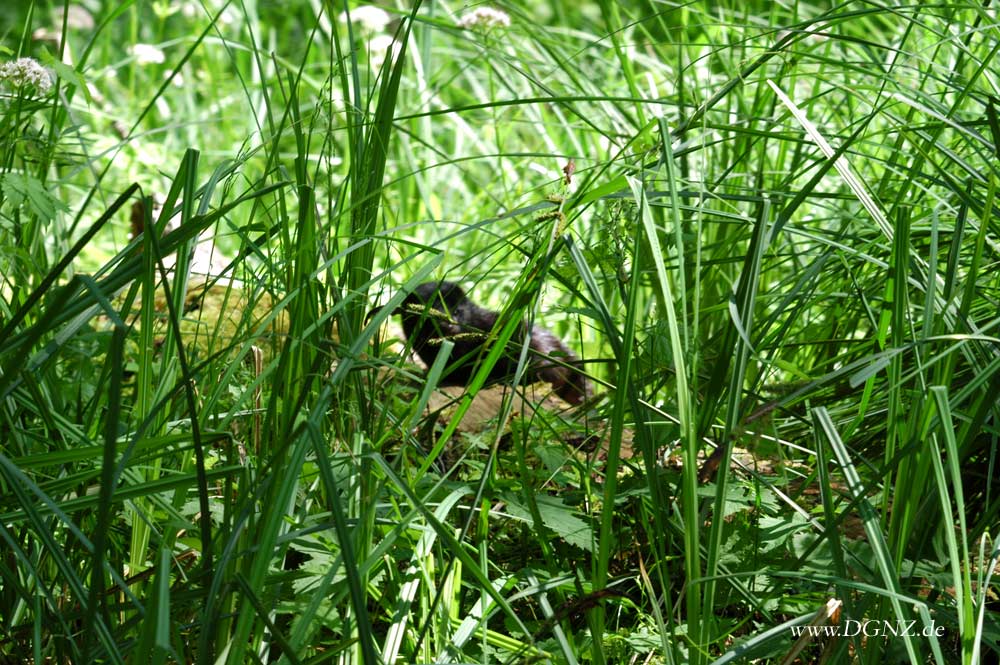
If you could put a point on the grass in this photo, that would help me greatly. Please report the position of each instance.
(769, 229)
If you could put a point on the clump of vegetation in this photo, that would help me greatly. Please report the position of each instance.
(767, 231)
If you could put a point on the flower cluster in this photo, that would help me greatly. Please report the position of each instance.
(147, 54)
(26, 74)
(484, 18)
(379, 47)
(367, 18)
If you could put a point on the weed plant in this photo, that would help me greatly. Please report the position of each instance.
(769, 229)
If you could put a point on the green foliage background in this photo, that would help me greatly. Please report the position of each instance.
(769, 228)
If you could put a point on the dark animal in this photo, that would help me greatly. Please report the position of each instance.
(437, 311)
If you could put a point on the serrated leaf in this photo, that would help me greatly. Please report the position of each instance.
(21, 189)
(67, 73)
(559, 518)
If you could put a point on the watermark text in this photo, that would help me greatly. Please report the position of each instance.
(871, 628)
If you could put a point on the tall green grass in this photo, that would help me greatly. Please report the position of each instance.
(774, 249)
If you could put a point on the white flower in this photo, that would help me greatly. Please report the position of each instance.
(78, 18)
(379, 47)
(147, 54)
(177, 80)
(368, 18)
(26, 73)
(484, 18)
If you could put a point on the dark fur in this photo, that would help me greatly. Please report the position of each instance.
(440, 310)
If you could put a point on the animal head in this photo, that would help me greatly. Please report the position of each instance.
(432, 311)
(443, 296)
